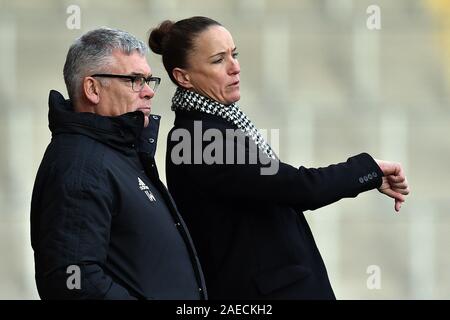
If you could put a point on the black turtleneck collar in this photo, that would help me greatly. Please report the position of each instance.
(122, 132)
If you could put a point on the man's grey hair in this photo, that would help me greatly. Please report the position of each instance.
(92, 53)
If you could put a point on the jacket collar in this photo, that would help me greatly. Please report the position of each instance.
(122, 132)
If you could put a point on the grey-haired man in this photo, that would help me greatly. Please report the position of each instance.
(103, 225)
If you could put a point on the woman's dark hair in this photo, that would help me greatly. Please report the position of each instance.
(174, 40)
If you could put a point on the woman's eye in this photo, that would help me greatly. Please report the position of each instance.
(218, 60)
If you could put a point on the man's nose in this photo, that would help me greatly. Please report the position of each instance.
(146, 92)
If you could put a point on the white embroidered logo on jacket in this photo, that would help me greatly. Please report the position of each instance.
(147, 191)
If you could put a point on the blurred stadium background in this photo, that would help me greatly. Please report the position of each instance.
(310, 68)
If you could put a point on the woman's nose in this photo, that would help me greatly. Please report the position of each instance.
(234, 67)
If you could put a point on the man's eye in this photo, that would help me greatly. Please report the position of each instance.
(235, 54)
(218, 60)
(139, 80)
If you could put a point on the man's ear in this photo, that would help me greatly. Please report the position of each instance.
(91, 90)
(182, 78)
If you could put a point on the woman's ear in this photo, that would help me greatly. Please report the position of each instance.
(91, 90)
(182, 78)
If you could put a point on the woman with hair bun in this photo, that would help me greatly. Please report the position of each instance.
(246, 218)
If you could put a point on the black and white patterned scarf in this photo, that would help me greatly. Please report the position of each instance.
(188, 100)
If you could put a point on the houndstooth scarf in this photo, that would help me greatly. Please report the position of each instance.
(189, 100)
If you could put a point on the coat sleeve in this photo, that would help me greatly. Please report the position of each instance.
(302, 188)
(70, 236)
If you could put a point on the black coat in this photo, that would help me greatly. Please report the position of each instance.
(249, 229)
(98, 203)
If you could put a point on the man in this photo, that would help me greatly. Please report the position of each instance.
(103, 225)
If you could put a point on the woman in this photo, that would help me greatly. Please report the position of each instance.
(248, 225)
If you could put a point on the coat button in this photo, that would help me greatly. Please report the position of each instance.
(361, 180)
(374, 174)
(366, 179)
(155, 117)
(370, 176)
(151, 140)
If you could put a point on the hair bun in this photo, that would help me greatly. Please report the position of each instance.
(158, 35)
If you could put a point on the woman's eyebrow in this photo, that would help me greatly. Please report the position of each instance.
(222, 53)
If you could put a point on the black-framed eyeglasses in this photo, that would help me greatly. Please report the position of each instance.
(137, 82)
